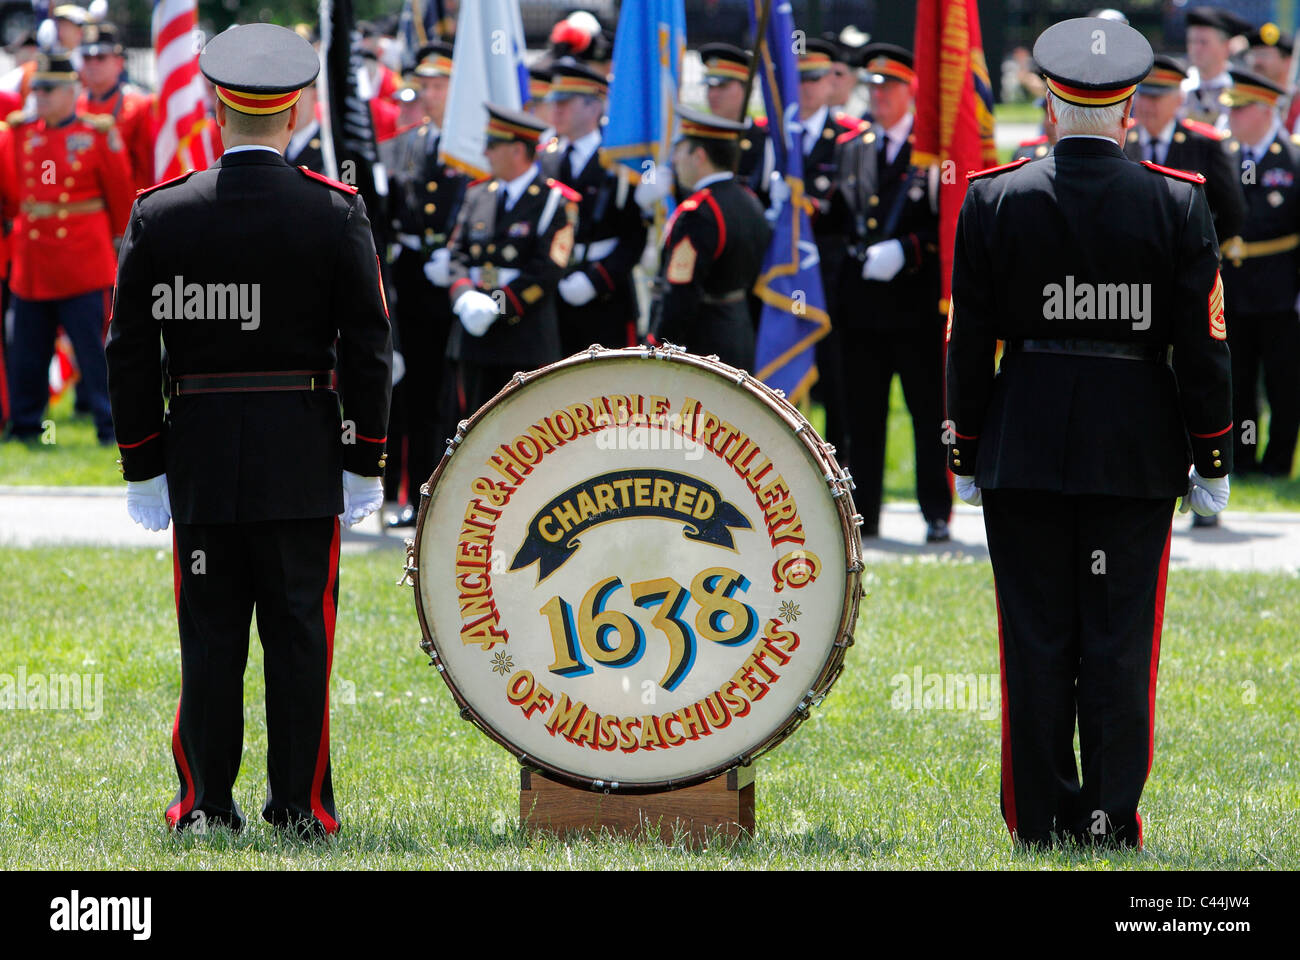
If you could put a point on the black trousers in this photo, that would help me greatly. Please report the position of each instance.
(1270, 341)
(1080, 584)
(286, 571)
(871, 358)
(424, 318)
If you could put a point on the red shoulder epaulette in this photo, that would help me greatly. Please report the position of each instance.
(475, 183)
(1187, 175)
(1034, 142)
(573, 196)
(336, 184)
(164, 183)
(848, 135)
(976, 174)
(851, 123)
(1206, 129)
(760, 122)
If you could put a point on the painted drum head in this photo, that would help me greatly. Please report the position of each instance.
(637, 589)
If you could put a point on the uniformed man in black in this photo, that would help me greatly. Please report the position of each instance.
(1035, 148)
(261, 278)
(1210, 31)
(726, 68)
(508, 252)
(1080, 445)
(1262, 279)
(426, 196)
(889, 288)
(304, 148)
(822, 128)
(713, 247)
(1159, 136)
(597, 302)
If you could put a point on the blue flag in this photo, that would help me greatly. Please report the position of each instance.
(794, 306)
(647, 71)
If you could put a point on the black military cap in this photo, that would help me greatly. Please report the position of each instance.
(1225, 20)
(98, 38)
(1091, 62)
(887, 61)
(539, 83)
(1271, 35)
(259, 68)
(708, 126)
(1249, 87)
(434, 59)
(569, 78)
(1167, 75)
(512, 126)
(53, 69)
(816, 59)
(724, 62)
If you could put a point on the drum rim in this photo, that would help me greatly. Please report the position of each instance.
(823, 456)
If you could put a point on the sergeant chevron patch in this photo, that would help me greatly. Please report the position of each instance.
(1218, 327)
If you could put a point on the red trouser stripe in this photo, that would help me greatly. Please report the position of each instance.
(183, 806)
(323, 752)
(1008, 778)
(1156, 627)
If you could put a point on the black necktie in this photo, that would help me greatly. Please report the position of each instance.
(568, 174)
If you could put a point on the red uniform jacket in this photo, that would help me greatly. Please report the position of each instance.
(132, 110)
(68, 191)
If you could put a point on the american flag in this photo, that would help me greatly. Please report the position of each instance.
(188, 138)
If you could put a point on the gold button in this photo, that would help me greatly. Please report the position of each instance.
(69, 182)
(63, 214)
(33, 234)
(29, 165)
(956, 452)
(431, 186)
(63, 232)
(874, 201)
(63, 198)
(871, 223)
(31, 182)
(1275, 148)
(956, 463)
(1218, 463)
(1214, 453)
(76, 164)
(429, 208)
(491, 248)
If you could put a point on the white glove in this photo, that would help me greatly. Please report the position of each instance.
(884, 260)
(438, 269)
(577, 289)
(399, 367)
(967, 491)
(476, 311)
(148, 503)
(362, 496)
(778, 190)
(650, 192)
(1205, 496)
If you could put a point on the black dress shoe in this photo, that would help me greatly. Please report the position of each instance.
(403, 518)
(936, 531)
(1200, 521)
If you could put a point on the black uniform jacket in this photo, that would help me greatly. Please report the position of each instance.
(876, 201)
(278, 273)
(609, 242)
(712, 254)
(1263, 274)
(1042, 250)
(516, 256)
(1202, 149)
(426, 194)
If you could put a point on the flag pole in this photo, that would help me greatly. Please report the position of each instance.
(759, 38)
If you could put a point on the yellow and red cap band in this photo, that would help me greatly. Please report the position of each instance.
(1089, 98)
(1241, 94)
(439, 65)
(726, 70)
(894, 69)
(814, 60)
(566, 85)
(1162, 77)
(500, 129)
(538, 89)
(692, 129)
(257, 103)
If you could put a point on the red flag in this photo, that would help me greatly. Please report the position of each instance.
(954, 111)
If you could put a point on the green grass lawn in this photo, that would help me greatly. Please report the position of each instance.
(76, 459)
(859, 785)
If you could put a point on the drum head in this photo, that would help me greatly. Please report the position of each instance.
(637, 590)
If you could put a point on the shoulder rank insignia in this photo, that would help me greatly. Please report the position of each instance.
(681, 266)
(1206, 129)
(1187, 175)
(562, 245)
(103, 122)
(568, 192)
(336, 184)
(1218, 328)
(977, 174)
(144, 191)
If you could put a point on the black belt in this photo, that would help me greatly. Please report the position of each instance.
(731, 296)
(252, 382)
(1114, 349)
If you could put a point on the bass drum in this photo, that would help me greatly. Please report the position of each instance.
(637, 590)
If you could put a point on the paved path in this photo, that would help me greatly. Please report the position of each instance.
(36, 516)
